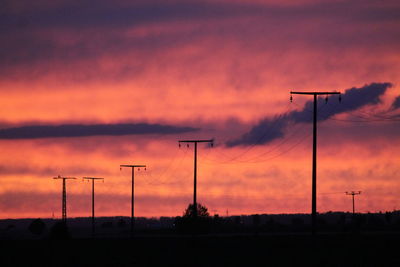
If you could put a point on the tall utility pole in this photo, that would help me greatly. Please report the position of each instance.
(195, 169)
(64, 196)
(353, 193)
(93, 179)
(314, 161)
(133, 192)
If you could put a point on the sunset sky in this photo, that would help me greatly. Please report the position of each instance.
(88, 85)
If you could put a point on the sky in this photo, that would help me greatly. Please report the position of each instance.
(86, 87)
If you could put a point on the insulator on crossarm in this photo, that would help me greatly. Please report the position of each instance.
(291, 98)
(179, 145)
(187, 145)
(145, 169)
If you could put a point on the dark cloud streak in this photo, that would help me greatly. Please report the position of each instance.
(396, 103)
(270, 129)
(79, 130)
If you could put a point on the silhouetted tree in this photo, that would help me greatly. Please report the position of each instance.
(202, 211)
(37, 227)
(188, 223)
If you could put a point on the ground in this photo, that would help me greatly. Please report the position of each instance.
(366, 249)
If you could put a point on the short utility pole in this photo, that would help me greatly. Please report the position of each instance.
(353, 193)
(133, 192)
(93, 179)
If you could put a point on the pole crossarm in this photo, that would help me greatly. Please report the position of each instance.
(64, 178)
(92, 178)
(197, 141)
(315, 93)
(352, 193)
(132, 166)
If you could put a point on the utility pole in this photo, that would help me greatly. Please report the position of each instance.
(353, 193)
(133, 192)
(93, 179)
(64, 196)
(211, 141)
(314, 161)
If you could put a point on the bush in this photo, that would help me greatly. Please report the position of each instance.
(37, 227)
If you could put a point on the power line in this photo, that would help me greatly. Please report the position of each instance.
(172, 167)
(269, 131)
(258, 158)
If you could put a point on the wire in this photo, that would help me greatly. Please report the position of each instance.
(253, 145)
(167, 171)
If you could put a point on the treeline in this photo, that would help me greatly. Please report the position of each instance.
(119, 227)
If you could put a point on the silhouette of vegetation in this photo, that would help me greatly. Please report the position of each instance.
(107, 225)
(189, 223)
(37, 227)
(202, 211)
(121, 223)
(60, 231)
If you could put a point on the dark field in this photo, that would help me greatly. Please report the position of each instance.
(365, 249)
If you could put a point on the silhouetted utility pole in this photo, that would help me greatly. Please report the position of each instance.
(64, 196)
(314, 165)
(353, 193)
(93, 179)
(133, 192)
(195, 168)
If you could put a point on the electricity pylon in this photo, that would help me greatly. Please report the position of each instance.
(93, 179)
(211, 141)
(133, 192)
(353, 193)
(64, 196)
(314, 162)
